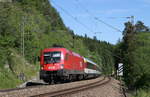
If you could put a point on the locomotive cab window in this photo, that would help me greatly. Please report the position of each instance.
(52, 57)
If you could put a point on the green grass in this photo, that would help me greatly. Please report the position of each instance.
(9, 77)
(8, 80)
(143, 93)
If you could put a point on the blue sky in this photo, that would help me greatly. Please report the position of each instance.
(110, 11)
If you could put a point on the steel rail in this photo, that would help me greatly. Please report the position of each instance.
(75, 89)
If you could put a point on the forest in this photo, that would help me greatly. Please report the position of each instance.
(27, 27)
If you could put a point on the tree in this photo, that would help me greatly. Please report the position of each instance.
(95, 38)
(133, 53)
(140, 27)
(85, 36)
(127, 48)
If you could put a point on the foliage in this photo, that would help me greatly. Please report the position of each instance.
(101, 53)
(140, 27)
(134, 53)
(41, 26)
(142, 93)
(141, 61)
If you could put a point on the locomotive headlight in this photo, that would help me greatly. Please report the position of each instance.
(42, 68)
(61, 66)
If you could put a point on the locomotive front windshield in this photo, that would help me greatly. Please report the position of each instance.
(52, 57)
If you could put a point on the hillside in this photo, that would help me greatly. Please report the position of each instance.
(41, 26)
(141, 56)
(140, 67)
(133, 52)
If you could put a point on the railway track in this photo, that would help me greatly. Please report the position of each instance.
(75, 89)
(54, 90)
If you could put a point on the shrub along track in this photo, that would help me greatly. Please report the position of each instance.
(55, 90)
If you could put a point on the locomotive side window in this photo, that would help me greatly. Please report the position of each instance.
(52, 57)
(90, 66)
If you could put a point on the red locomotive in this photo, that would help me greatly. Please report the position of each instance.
(60, 64)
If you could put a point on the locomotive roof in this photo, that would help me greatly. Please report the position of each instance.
(62, 49)
(57, 48)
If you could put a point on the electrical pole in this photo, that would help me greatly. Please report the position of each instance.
(131, 19)
(132, 22)
(22, 30)
(23, 38)
(98, 33)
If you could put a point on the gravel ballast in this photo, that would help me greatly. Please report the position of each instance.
(112, 89)
(46, 88)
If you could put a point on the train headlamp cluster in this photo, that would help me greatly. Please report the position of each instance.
(42, 67)
(62, 66)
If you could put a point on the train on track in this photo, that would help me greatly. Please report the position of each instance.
(61, 64)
